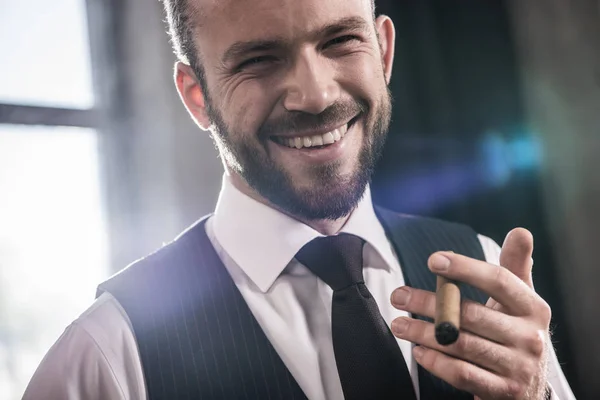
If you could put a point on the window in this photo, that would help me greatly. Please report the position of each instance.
(51, 242)
(52, 238)
(45, 54)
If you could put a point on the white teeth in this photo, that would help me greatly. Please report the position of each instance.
(328, 138)
(343, 130)
(316, 140)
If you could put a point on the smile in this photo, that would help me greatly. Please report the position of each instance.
(299, 142)
(317, 141)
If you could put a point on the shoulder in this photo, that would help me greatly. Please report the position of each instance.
(427, 227)
(107, 324)
(452, 235)
(96, 357)
(169, 255)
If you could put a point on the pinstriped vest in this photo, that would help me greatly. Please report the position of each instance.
(198, 339)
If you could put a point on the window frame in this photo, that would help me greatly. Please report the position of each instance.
(18, 114)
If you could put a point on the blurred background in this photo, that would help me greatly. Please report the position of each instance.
(496, 124)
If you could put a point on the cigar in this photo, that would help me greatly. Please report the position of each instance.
(447, 311)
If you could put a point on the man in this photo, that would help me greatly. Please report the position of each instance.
(284, 292)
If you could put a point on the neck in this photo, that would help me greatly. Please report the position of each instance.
(326, 227)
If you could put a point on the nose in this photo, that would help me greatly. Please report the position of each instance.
(310, 86)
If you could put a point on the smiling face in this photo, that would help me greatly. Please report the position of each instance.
(295, 94)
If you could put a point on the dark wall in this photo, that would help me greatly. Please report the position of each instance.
(459, 148)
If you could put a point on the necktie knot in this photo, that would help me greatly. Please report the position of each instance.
(337, 260)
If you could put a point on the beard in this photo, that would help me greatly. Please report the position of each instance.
(331, 195)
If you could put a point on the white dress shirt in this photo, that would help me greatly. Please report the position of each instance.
(97, 356)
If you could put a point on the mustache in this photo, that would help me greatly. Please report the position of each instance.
(293, 121)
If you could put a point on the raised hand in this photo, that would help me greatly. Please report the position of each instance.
(502, 349)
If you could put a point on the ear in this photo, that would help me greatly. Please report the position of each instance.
(386, 33)
(192, 94)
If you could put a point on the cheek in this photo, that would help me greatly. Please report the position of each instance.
(363, 77)
(246, 107)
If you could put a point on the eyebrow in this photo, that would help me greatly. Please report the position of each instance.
(352, 24)
(238, 49)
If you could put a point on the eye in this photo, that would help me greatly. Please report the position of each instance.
(255, 61)
(341, 40)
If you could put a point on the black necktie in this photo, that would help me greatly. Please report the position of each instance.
(369, 361)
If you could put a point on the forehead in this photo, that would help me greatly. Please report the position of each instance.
(226, 21)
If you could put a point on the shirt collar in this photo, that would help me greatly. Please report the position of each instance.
(262, 241)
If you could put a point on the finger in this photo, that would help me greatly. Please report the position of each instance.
(468, 347)
(516, 254)
(466, 376)
(475, 318)
(498, 282)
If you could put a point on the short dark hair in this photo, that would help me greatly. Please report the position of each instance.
(181, 31)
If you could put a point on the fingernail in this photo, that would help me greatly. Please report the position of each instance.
(439, 263)
(418, 352)
(400, 296)
(399, 325)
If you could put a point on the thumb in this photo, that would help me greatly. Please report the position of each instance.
(516, 254)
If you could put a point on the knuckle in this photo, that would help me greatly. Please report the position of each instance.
(415, 329)
(494, 357)
(524, 299)
(471, 348)
(544, 312)
(430, 360)
(471, 313)
(536, 343)
(462, 377)
(463, 344)
(504, 326)
(420, 300)
(502, 279)
(429, 302)
(515, 390)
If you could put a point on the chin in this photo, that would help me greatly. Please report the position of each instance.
(333, 199)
